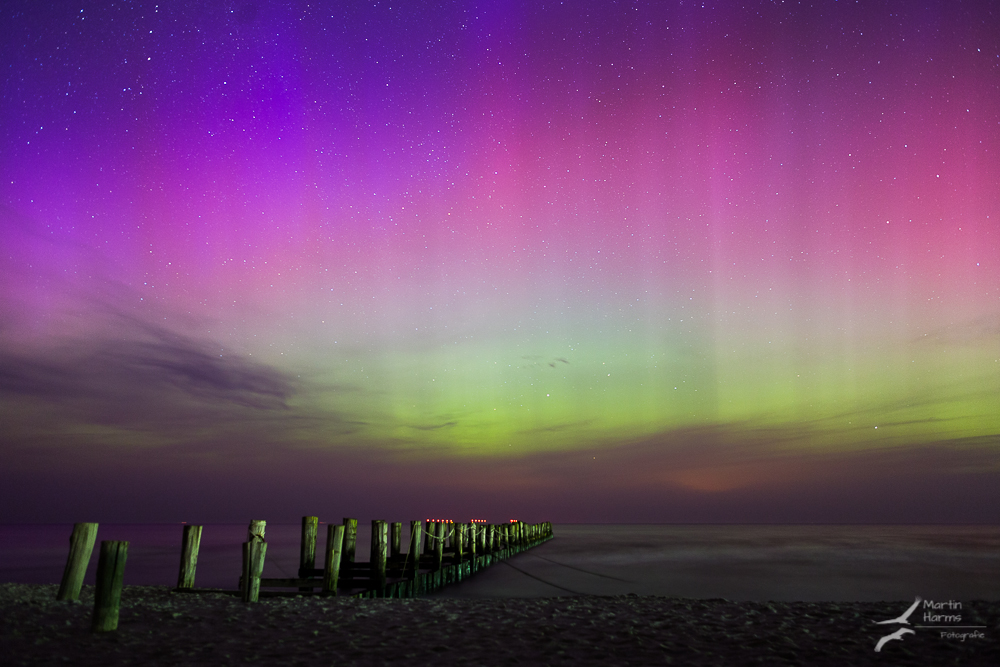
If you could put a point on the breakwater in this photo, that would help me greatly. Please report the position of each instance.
(437, 553)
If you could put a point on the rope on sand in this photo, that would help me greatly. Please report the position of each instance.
(580, 569)
(528, 574)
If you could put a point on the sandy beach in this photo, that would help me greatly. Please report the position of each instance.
(161, 627)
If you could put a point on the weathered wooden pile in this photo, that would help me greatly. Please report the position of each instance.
(443, 553)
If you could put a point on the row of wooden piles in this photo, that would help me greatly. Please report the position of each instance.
(443, 553)
(437, 554)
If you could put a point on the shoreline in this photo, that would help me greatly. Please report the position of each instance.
(160, 627)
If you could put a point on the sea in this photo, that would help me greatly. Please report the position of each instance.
(810, 563)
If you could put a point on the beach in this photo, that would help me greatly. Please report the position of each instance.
(159, 626)
(595, 595)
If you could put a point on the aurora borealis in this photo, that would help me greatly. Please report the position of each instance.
(584, 261)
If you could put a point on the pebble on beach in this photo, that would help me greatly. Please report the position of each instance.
(161, 627)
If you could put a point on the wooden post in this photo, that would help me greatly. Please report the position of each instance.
(108, 593)
(350, 539)
(81, 546)
(415, 551)
(307, 549)
(256, 529)
(347, 557)
(331, 564)
(380, 552)
(254, 551)
(473, 538)
(253, 565)
(429, 535)
(457, 539)
(439, 546)
(488, 538)
(395, 545)
(190, 543)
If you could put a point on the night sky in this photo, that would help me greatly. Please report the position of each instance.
(568, 261)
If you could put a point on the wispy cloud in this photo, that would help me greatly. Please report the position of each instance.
(434, 427)
(160, 383)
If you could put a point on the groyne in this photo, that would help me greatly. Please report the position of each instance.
(436, 554)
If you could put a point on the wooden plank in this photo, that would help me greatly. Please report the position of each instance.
(288, 582)
(81, 546)
(108, 592)
(331, 567)
(190, 544)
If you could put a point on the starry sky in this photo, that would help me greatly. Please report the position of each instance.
(568, 261)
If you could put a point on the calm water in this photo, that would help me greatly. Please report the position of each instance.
(735, 562)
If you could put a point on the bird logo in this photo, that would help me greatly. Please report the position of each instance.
(905, 616)
(898, 634)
